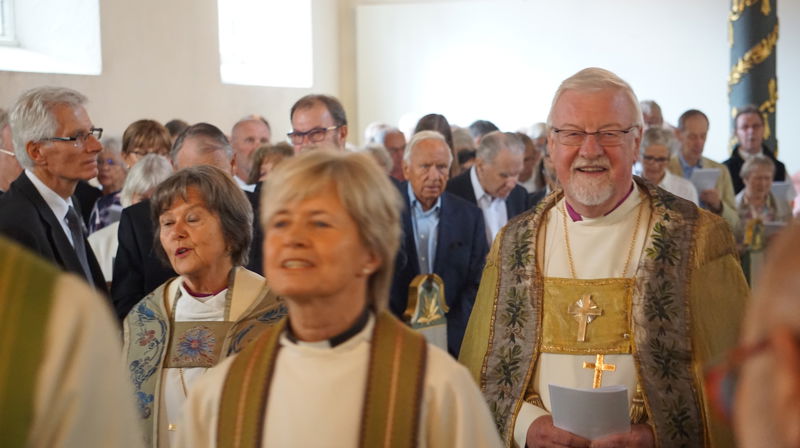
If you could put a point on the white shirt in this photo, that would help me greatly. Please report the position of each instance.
(57, 204)
(495, 214)
(244, 185)
(189, 308)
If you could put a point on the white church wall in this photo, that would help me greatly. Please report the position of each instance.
(161, 61)
(502, 60)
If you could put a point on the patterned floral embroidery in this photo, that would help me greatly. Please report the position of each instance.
(146, 337)
(196, 345)
(150, 329)
(144, 402)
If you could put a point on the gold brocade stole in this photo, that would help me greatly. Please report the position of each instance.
(26, 294)
(608, 330)
(392, 400)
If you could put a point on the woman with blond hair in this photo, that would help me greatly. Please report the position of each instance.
(340, 370)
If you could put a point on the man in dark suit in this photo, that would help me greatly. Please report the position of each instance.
(137, 269)
(57, 144)
(491, 183)
(750, 134)
(443, 234)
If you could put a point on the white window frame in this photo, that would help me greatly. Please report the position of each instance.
(7, 16)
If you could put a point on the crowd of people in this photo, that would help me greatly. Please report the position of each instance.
(426, 289)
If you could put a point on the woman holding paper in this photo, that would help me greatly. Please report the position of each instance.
(760, 213)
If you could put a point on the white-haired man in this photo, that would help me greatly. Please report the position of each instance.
(611, 271)
(57, 144)
(443, 235)
(246, 136)
(491, 183)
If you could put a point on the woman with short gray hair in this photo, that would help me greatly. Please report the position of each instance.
(213, 309)
(760, 213)
(654, 155)
(142, 179)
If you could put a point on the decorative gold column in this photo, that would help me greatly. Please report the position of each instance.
(753, 37)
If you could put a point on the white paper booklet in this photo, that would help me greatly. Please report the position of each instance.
(590, 413)
(783, 190)
(704, 178)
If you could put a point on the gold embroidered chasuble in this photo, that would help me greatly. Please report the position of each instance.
(686, 305)
(153, 342)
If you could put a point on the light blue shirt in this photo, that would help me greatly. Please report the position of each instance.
(688, 169)
(426, 226)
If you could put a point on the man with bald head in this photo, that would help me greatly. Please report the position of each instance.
(395, 143)
(608, 282)
(246, 136)
(318, 120)
(444, 235)
(491, 183)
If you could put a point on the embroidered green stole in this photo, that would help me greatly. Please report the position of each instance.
(392, 400)
(26, 294)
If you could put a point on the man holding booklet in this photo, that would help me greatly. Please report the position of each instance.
(711, 179)
(610, 282)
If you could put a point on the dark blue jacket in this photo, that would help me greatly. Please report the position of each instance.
(460, 253)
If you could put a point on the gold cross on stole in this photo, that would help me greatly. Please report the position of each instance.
(599, 366)
(584, 310)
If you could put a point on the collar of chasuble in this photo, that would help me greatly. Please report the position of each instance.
(148, 328)
(660, 320)
(392, 398)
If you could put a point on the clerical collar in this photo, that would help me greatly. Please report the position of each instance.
(575, 216)
(340, 338)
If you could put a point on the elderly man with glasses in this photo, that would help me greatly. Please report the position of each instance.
(318, 121)
(608, 282)
(57, 145)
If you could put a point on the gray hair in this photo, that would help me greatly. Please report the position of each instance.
(426, 135)
(381, 156)
(222, 197)
(757, 161)
(494, 142)
(657, 136)
(537, 130)
(375, 132)
(380, 134)
(462, 139)
(32, 117)
(213, 140)
(112, 144)
(594, 79)
(145, 176)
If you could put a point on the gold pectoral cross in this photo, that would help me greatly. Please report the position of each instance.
(599, 367)
(584, 310)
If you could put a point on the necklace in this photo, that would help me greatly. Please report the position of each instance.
(569, 249)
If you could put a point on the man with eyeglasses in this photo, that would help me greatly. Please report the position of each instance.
(610, 281)
(318, 121)
(9, 167)
(57, 144)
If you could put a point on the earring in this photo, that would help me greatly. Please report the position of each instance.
(366, 271)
